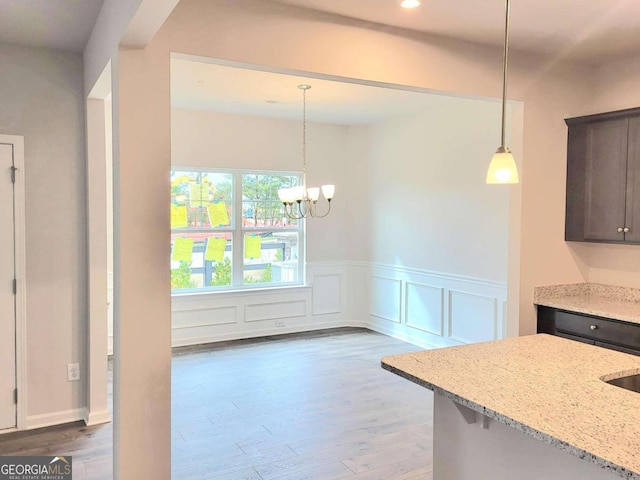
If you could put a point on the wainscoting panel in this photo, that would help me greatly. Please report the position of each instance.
(257, 312)
(386, 298)
(438, 309)
(327, 294)
(424, 307)
(205, 317)
(472, 318)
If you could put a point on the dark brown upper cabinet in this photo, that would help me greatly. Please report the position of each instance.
(603, 178)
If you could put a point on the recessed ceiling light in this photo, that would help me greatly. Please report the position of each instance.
(410, 3)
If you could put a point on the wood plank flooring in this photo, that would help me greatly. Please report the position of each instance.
(313, 406)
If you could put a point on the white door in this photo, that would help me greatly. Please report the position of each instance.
(7, 296)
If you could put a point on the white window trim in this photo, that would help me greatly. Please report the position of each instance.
(237, 231)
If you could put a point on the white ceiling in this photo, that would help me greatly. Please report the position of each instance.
(591, 31)
(58, 24)
(206, 86)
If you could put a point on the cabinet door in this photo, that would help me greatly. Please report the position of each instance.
(605, 180)
(632, 220)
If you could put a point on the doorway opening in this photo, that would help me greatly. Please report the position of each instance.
(100, 248)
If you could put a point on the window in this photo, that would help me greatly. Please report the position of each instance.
(229, 230)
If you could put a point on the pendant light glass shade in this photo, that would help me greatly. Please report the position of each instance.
(502, 168)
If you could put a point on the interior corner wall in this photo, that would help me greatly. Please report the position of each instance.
(102, 46)
(41, 92)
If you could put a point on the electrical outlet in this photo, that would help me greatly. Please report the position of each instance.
(73, 372)
(280, 323)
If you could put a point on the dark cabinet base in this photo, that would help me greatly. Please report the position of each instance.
(603, 332)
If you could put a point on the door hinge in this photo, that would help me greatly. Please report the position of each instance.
(15, 286)
(13, 174)
(15, 395)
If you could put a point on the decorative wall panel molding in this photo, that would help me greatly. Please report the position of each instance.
(386, 298)
(327, 293)
(472, 317)
(419, 306)
(258, 312)
(204, 318)
(424, 307)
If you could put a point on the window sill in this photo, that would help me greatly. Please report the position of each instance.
(241, 291)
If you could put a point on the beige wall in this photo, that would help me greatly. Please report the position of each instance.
(41, 98)
(141, 166)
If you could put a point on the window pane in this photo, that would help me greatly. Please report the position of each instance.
(261, 206)
(265, 214)
(200, 260)
(206, 196)
(270, 257)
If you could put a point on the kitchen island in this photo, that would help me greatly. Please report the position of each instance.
(531, 408)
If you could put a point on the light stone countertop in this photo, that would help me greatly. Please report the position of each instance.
(545, 386)
(619, 303)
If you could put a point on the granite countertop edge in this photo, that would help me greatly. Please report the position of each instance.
(606, 301)
(561, 304)
(618, 470)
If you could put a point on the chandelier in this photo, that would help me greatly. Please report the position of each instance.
(301, 202)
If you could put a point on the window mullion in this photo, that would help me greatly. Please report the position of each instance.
(238, 240)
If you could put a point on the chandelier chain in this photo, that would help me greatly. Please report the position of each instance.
(304, 137)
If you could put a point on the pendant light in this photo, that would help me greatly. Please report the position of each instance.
(301, 202)
(502, 168)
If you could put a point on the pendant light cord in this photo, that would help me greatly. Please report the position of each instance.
(504, 76)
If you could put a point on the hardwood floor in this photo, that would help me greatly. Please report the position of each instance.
(313, 406)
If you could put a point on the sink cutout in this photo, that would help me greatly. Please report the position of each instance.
(630, 382)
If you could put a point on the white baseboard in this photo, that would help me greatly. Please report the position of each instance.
(401, 334)
(54, 418)
(97, 417)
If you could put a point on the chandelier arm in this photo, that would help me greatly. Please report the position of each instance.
(288, 210)
(303, 210)
(324, 214)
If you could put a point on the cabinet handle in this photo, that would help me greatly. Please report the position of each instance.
(626, 229)
(620, 229)
(593, 327)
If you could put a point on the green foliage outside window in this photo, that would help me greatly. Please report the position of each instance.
(181, 277)
(265, 276)
(222, 273)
